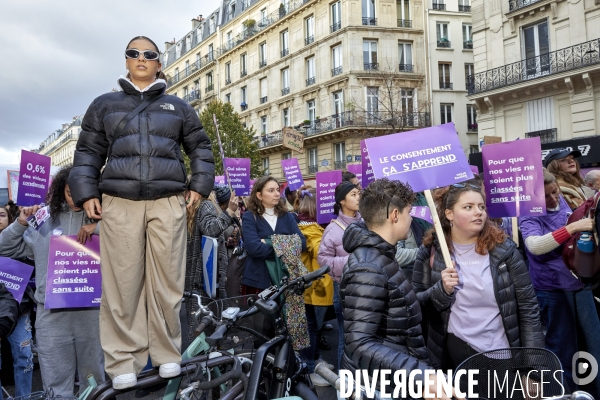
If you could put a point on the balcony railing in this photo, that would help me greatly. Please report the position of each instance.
(262, 64)
(180, 75)
(516, 4)
(472, 127)
(336, 26)
(263, 100)
(243, 73)
(463, 8)
(468, 44)
(285, 52)
(439, 6)
(285, 91)
(546, 135)
(336, 71)
(404, 23)
(313, 169)
(194, 95)
(209, 88)
(311, 81)
(243, 106)
(309, 40)
(563, 60)
(446, 85)
(443, 44)
(405, 67)
(339, 164)
(369, 21)
(371, 66)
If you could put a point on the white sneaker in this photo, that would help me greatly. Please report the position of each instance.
(169, 370)
(320, 360)
(124, 381)
(318, 380)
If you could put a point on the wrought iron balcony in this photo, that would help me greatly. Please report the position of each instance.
(546, 135)
(309, 40)
(404, 23)
(468, 44)
(439, 6)
(336, 26)
(313, 169)
(339, 164)
(446, 85)
(472, 127)
(263, 100)
(405, 68)
(209, 88)
(193, 95)
(369, 21)
(311, 81)
(336, 71)
(243, 73)
(285, 91)
(371, 66)
(563, 60)
(443, 43)
(464, 8)
(262, 64)
(514, 5)
(285, 52)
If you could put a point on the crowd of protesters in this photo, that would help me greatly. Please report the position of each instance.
(396, 303)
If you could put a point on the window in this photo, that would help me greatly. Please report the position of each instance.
(336, 16)
(471, 118)
(262, 54)
(211, 25)
(441, 29)
(464, 5)
(310, 71)
(285, 117)
(286, 156)
(467, 36)
(336, 59)
(285, 81)
(535, 47)
(372, 99)
(313, 160)
(229, 39)
(176, 74)
(244, 104)
(338, 107)
(370, 55)
(285, 43)
(405, 54)
(209, 79)
(540, 114)
(243, 70)
(439, 5)
(368, 12)
(263, 90)
(407, 101)
(446, 113)
(198, 57)
(340, 154)
(265, 164)
(473, 148)
(263, 17)
(468, 71)
(263, 124)
(309, 27)
(185, 93)
(210, 54)
(228, 73)
(312, 111)
(178, 50)
(231, 11)
(445, 73)
(187, 67)
(228, 98)
(403, 13)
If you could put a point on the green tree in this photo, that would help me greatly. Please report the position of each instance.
(238, 142)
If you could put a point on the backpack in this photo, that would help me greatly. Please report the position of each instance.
(572, 255)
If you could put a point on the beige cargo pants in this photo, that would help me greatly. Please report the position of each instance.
(142, 252)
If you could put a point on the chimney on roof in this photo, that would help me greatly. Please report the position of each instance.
(195, 22)
(167, 45)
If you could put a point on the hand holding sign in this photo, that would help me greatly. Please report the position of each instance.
(25, 213)
(450, 278)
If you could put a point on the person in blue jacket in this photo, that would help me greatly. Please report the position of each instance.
(266, 217)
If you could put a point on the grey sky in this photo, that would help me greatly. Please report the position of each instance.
(60, 55)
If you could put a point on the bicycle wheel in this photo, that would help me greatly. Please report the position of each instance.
(266, 374)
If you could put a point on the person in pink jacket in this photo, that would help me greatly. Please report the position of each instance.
(331, 251)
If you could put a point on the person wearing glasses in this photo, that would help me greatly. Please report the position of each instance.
(128, 171)
(563, 164)
(486, 300)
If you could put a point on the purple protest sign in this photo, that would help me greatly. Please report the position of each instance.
(326, 183)
(220, 180)
(292, 173)
(514, 179)
(238, 174)
(426, 158)
(422, 212)
(15, 276)
(74, 279)
(252, 184)
(34, 176)
(356, 169)
(367, 169)
(474, 168)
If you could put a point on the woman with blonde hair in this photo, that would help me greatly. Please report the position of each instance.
(563, 164)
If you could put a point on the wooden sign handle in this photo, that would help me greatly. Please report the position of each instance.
(515, 230)
(438, 229)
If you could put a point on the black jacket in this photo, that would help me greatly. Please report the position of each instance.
(146, 161)
(382, 316)
(513, 290)
(9, 310)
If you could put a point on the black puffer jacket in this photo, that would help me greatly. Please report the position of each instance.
(514, 293)
(9, 310)
(382, 316)
(146, 161)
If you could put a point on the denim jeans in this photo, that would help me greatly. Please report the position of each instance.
(20, 345)
(339, 313)
(573, 325)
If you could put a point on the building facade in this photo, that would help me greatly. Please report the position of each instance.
(60, 145)
(537, 68)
